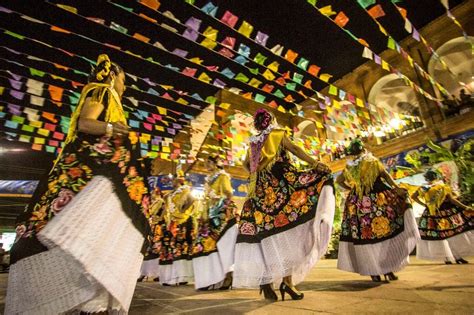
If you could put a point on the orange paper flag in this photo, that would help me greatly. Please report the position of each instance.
(376, 11)
(56, 93)
(314, 70)
(341, 19)
(291, 55)
(152, 4)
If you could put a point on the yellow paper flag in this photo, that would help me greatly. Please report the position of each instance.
(325, 77)
(204, 78)
(162, 110)
(281, 109)
(245, 29)
(209, 43)
(327, 11)
(319, 125)
(274, 66)
(385, 65)
(40, 140)
(225, 105)
(255, 83)
(159, 128)
(182, 101)
(359, 102)
(196, 60)
(269, 75)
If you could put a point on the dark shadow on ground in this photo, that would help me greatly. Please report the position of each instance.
(339, 286)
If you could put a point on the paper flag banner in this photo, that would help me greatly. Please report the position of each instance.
(367, 53)
(366, 3)
(228, 73)
(242, 78)
(376, 11)
(229, 42)
(259, 98)
(245, 29)
(327, 11)
(261, 38)
(204, 78)
(259, 58)
(190, 34)
(291, 55)
(268, 75)
(152, 4)
(229, 19)
(332, 90)
(277, 50)
(210, 9)
(341, 19)
(325, 77)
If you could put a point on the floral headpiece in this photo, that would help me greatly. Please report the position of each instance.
(102, 74)
(262, 119)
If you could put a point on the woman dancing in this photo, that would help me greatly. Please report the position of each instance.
(79, 242)
(378, 227)
(286, 222)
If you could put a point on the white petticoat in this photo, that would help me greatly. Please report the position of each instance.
(455, 247)
(212, 269)
(92, 263)
(179, 271)
(150, 268)
(383, 257)
(293, 252)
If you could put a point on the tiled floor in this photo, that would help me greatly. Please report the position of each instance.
(423, 288)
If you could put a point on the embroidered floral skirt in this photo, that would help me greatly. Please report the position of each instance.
(94, 188)
(447, 235)
(285, 228)
(175, 251)
(213, 249)
(377, 232)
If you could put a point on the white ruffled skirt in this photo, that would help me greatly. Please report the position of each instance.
(293, 252)
(212, 269)
(380, 258)
(93, 260)
(455, 247)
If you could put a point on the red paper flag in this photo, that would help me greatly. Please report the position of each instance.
(341, 19)
(229, 19)
(403, 12)
(273, 104)
(376, 11)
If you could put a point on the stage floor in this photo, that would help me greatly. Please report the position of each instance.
(424, 288)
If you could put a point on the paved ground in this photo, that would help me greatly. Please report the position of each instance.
(423, 288)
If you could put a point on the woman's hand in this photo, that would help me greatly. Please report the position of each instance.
(120, 129)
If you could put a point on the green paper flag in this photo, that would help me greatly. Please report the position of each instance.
(298, 78)
(303, 63)
(332, 90)
(37, 72)
(241, 77)
(259, 98)
(15, 35)
(312, 2)
(254, 70)
(291, 86)
(391, 43)
(260, 59)
(211, 100)
(366, 3)
(279, 94)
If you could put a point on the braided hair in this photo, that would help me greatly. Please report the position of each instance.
(262, 119)
(102, 69)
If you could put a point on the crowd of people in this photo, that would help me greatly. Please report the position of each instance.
(458, 105)
(94, 226)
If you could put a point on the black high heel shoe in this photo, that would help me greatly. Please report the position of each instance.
(376, 278)
(461, 261)
(227, 284)
(391, 276)
(286, 289)
(268, 292)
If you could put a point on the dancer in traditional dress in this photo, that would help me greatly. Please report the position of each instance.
(213, 250)
(378, 226)
(150, 266)
(285, 225)
(177, 230)
(79, 242)
(446, 226)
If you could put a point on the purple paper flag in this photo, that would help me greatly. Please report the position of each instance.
(15, 84)
(180, 52)
(190, 34)
(193, 23)
(261, 38)
(17, 95)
